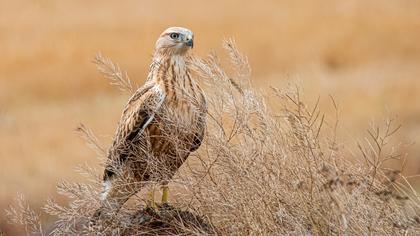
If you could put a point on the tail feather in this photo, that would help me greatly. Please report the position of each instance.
(113, 197)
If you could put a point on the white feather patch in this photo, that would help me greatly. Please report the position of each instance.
(161, 99)
(106, 187)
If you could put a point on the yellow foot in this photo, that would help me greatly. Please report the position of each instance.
(151, 201)
(165, 194)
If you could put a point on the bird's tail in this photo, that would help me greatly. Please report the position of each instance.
(113, 197)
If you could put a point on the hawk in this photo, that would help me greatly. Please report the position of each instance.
(162, 123)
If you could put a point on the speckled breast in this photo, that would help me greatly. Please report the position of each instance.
(173, 134)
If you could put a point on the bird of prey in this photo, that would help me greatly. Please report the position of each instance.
(162, 123)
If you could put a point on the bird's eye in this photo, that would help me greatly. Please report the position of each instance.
(174, 36)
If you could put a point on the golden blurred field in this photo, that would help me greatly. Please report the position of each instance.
(366, 54)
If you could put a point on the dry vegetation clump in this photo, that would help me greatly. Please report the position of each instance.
(259, 172)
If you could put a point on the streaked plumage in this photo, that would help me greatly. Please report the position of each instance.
(162, 123)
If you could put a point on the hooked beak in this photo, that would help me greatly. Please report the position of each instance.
(189, 41)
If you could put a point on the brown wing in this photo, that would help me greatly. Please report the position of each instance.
(137, 115)
(202, 107)
(199, 135)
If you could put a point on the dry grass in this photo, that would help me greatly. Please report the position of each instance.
(261, 172)
(365, 54)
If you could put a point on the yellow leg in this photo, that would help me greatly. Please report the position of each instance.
(151, 201)
(165, 194)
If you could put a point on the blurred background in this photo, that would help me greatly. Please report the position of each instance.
(366, 54)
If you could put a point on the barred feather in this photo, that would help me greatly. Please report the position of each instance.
(162, 123)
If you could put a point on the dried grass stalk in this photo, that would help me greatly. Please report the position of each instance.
(259, 172)
(22, 214)
(114, 74)
(91, 140)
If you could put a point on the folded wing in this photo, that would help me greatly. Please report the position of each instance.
(137, 115)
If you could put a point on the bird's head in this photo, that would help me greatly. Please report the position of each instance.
(175, 40)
